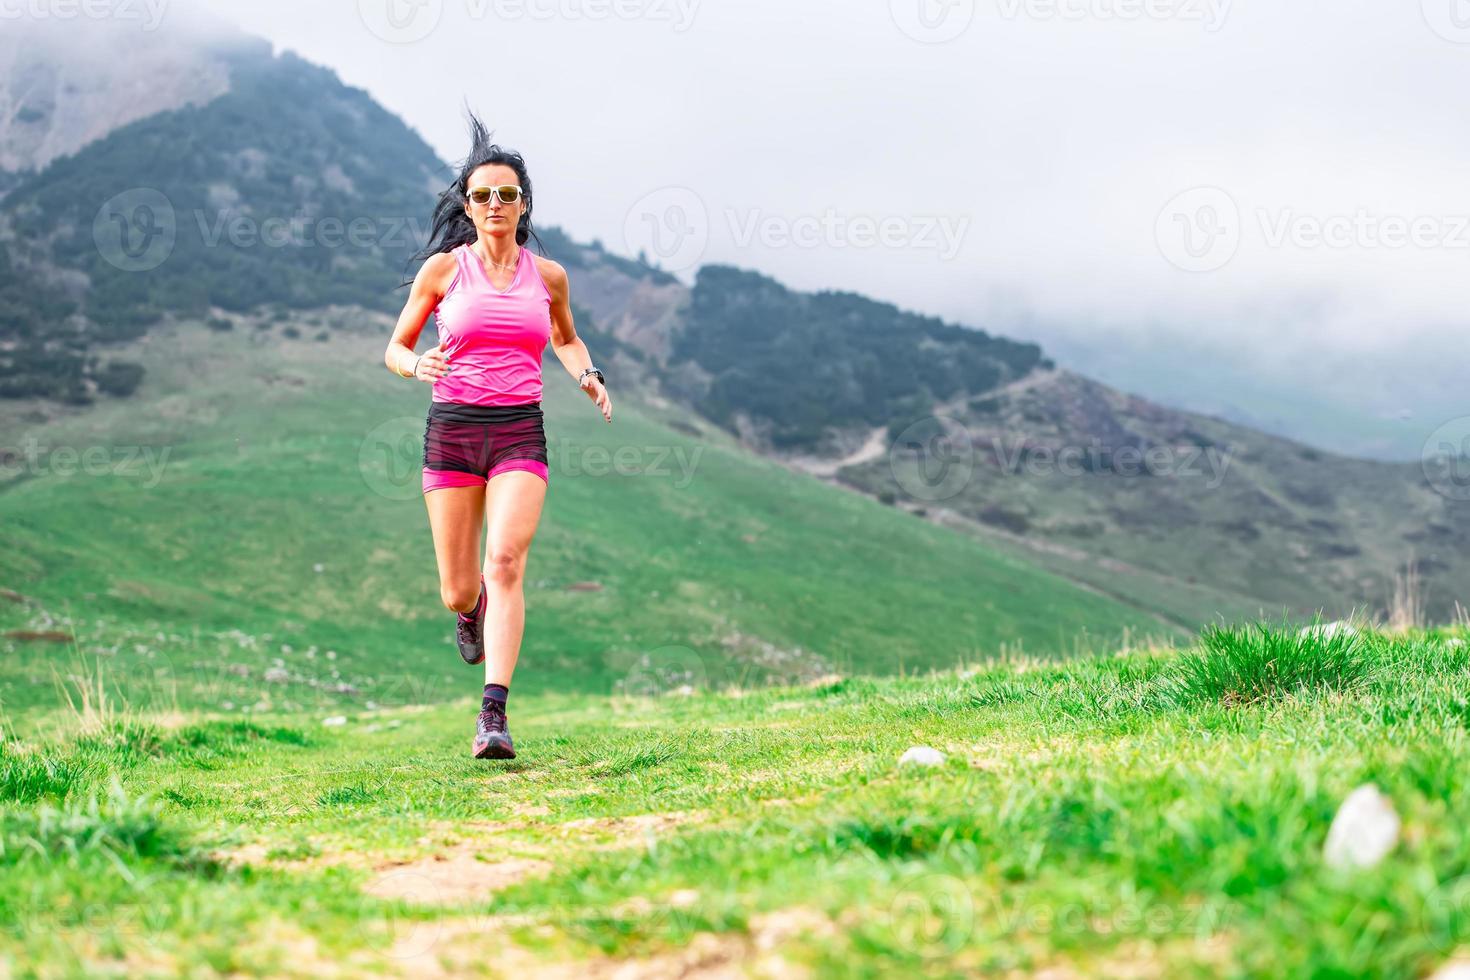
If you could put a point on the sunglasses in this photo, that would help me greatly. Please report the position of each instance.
(504, 193)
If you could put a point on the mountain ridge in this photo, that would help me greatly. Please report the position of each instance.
(800, 377)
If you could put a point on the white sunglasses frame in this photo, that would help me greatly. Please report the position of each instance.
(494, 190)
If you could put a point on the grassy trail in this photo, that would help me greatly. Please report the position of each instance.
(1153, 813)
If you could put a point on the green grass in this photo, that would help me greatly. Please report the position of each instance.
(1098, 816)
(279, 559)
(709, 744)
(1240, 665)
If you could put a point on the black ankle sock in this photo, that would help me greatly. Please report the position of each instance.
(495, 692)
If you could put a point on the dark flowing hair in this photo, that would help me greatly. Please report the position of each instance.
(451, 226)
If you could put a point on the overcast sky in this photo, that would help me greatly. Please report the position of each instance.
(1017, 164)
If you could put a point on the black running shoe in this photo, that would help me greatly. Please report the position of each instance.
(469, 634)
(492, 734)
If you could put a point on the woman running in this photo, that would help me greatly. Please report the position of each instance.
(496, 305)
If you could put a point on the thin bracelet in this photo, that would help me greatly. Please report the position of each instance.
(414, 371)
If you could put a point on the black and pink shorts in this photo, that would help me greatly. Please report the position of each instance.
(465, 445)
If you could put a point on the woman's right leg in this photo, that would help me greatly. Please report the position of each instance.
(456, 517)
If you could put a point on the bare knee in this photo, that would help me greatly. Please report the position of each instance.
(505, 567)
(460, 597)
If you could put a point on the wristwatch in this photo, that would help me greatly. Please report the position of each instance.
(592, 370)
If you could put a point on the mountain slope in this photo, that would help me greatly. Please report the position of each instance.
(269, 484)
(62, 87)
(851, 389)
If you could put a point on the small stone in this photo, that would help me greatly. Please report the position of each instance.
(1365, 829)
(921, 755)
(1327, 631)
(336, 721)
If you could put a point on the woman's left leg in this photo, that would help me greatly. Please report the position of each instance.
(513, 501)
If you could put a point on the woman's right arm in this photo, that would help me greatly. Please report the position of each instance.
(427, 291)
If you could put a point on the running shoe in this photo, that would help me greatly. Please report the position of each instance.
(469, 634)
(492, 734)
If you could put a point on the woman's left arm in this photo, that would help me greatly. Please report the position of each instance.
(564, 340)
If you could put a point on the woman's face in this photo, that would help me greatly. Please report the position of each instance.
(492, 217)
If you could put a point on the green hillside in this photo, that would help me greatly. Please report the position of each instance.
(286, 509)
(1061, 463)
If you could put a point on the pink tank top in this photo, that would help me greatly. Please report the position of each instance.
(493, 339)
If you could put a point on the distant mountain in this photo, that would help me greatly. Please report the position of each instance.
(786, 367)
(291, 191)
(62, 87)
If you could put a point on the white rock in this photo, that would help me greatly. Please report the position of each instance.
(336, 721)
(1453, 970)
(1328, 630)
(1365, 829)
(921, 755)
